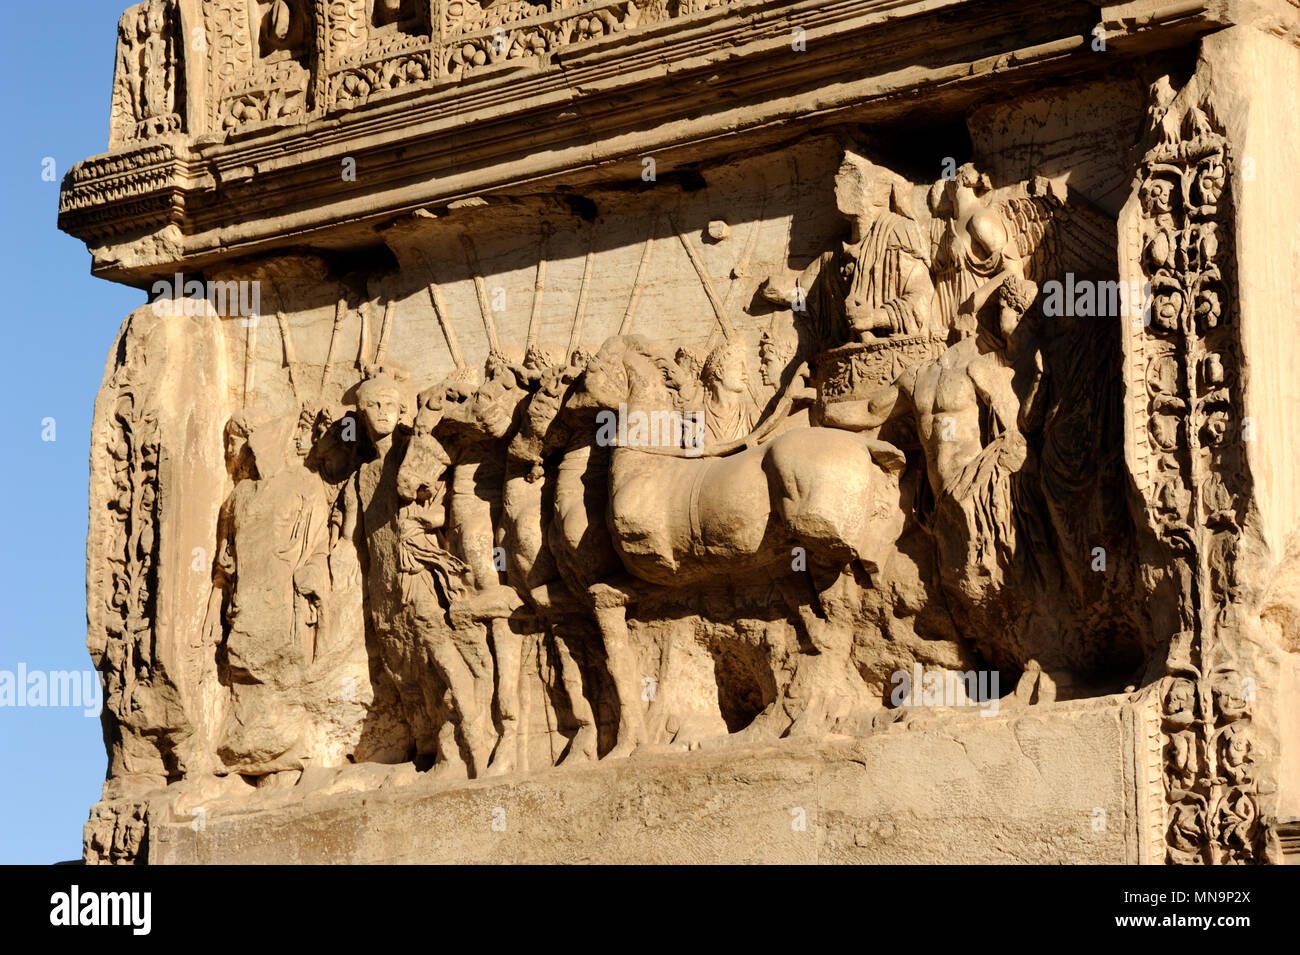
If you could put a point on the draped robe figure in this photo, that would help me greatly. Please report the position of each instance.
(275, 555)
(410, 582)
(877, 284)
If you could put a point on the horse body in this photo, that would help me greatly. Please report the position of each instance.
(811, 499)
(680, 520)
(623, 520)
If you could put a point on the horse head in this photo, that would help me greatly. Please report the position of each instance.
(626, 374)
(541, 407)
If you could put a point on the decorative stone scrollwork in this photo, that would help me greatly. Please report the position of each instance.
(124, 541)
(359, 84)
(1189, 359)
(477, 35)
(262, 61)
(859, 370)
(461, 17)
(278, 61)
(148, 88)
(684, 8)
(367, 56)
(602, 21)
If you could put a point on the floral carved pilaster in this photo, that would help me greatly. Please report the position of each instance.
(1187, 428)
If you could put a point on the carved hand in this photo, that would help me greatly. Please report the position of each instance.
(1015, 451)
(866, 321)
(310, 580)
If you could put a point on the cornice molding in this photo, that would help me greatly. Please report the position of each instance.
(681, 90)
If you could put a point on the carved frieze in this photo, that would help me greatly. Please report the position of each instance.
(263, 60)
(367, 55)
(277, 61)
(607, 457)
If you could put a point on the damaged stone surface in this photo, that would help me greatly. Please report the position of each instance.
(648, 419)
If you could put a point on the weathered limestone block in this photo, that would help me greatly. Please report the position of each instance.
(155, 477)
(697, 431)
(1044, 789)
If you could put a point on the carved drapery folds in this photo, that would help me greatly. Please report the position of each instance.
(1185, 365)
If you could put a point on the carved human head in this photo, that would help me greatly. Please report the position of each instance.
(776, 350)
(381, 402)
(1016, 296)
(306, 435)
(241, 424)
(273, 445)
(860, 185)
(945, 195)
(726, 368)
(969, 177)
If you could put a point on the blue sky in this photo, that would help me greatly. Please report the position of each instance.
(57, 327)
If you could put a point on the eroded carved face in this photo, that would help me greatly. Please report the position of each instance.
(968, 176)
(381, 412)
(855, 188)
(236, 445)
(606, 380)
(305, 436)
(239, 457)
